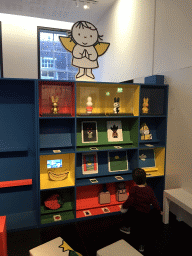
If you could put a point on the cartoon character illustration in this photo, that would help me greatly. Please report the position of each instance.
(83, 42)
(89, 133)
(145, 108)
(116, 105)
(114, 129)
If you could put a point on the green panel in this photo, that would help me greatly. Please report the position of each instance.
(65, 207)
(48, 218)
(124, 146)
(129, 128)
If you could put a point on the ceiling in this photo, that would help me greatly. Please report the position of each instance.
(62, 10)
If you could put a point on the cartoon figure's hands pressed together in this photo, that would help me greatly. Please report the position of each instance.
(83, 43)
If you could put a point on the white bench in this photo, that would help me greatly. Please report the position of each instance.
(119, 248)
(180, 197)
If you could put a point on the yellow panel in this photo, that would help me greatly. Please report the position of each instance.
(160, 160)
(104, 103)
(136, 101)
(68, 163)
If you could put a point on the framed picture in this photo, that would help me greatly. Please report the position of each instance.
(89, 132)
(89, 163)
(117, 161)
(114, 131)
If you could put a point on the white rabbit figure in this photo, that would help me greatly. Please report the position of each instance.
(89, 105)
(116, 105)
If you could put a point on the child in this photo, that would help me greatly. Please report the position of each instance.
(138, 202)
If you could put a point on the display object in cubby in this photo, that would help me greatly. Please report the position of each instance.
(116, 105)
(89, 104)
(104, 196)
(117, 161)
(114, 131)
(89, 163)
(55, 108)
(145, 108)
(58, 176)
(53, 202)
(145, 133)
(89, 132)
(121, 194)
(56, 99)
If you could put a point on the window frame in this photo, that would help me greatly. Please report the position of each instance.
(39, 28)
(1, 53)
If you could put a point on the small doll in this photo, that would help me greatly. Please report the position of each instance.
(145, 108)
(116, 105)
(89, 105)
(55, 108)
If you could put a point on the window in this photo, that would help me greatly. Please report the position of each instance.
(54, 60)
(1, 53)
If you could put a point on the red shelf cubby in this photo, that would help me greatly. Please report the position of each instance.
(65, 91)
(87, 199)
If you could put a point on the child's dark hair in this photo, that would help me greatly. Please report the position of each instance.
(139, 176)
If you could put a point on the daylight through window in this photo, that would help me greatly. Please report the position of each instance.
(55, 61)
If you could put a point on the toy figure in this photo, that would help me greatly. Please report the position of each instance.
(114, 129)
(145, 108)
(55, 108)
(116, 105)
(83, 43)
(89, 104)
(144, 131)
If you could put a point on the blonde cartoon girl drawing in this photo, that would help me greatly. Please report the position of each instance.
(83, 43)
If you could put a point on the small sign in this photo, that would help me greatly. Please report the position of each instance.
(118, 147)
(119, 178)
(93, 180)
(105, 210)
(87, 213)
(57, 217)
(56, 151)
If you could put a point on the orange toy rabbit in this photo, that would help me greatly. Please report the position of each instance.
(145, 108)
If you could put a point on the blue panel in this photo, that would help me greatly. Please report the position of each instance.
(16, 199)
(21, 220)
(157, 79)
(55, 140)
(149, 160)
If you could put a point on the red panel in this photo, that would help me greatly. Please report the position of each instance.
(65, 92)
(3, 236)
(15, 183)
(87, 196)
(98, 211)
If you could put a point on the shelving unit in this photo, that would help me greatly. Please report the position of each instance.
(36, 135)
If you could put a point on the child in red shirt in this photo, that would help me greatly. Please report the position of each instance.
(140, 198)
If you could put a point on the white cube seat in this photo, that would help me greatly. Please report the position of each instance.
(121, 248)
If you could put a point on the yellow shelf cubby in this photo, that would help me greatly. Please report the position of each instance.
(159, 168)
(68, 163)
(103, 98)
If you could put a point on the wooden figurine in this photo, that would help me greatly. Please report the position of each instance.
(55, 108)
(145, 108)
